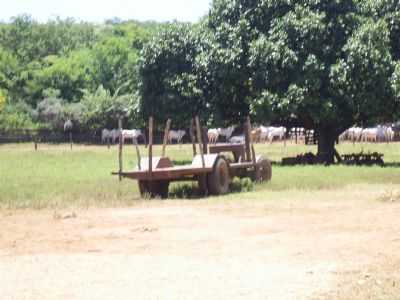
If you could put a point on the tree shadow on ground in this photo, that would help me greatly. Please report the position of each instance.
(392, 165)
(385, 165)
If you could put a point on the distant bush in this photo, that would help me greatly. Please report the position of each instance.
(51, 111)
(17, 116)
(102, 109)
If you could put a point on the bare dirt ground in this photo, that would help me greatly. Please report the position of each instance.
(203, 250)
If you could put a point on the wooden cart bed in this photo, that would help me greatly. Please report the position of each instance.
(164, 169)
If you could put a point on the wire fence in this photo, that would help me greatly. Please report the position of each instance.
(59, 137)
(94, 137)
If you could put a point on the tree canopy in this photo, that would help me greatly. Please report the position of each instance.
(322, 64)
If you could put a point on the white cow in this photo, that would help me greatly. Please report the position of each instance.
(214, 133)
(132, 134)
(354, 134)
(270, 132)
(263, 133)
(276, 132)
(114, 135)
(106, 136)
(389, 134)
(369, 134)
(226, 132)
(176, 135)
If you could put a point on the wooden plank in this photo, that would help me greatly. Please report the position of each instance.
(150, 146)
(238, 150)
(241, 165)
(198, 129)
(226, 148)
(166, 133)
(120, 148)
(167, 173)
(158, 162)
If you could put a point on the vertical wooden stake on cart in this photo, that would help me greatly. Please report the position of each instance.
(166, 133)
(251, 149)
(247, 138)
(138, 156)
(120, 147)
(151, 147)
(202, 179)
(204, 137)
(192, 136)
(199, 140)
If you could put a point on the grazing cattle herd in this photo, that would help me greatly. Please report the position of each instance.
(259, 134)
(214, 133)
(112, 136)
(380, 133)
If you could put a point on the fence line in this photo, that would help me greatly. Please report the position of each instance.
(58, 137)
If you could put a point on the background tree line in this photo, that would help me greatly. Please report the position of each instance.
(320, 64)
(62, 69)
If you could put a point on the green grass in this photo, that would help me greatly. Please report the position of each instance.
(54, 176)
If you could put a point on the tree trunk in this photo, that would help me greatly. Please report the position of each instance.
(326, 145)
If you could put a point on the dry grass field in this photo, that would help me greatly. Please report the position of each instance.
(69, 230)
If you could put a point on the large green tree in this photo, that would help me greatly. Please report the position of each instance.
(327, 64)
(173, 72)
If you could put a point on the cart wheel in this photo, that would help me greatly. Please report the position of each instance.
(264, 172)
(219, 179)
(154, 189)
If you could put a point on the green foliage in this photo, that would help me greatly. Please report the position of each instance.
(29, 40)
(73, 58)
(17, 116)
(68, 74)
(363, 77)
(103, 109)
(326, 64)
(115, 62)
(2, 100)
(172, 73)
(51, 111)
(8, 69)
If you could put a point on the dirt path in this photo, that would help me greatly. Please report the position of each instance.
(195, 251)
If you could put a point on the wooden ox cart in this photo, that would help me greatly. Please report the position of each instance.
(212, 168)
